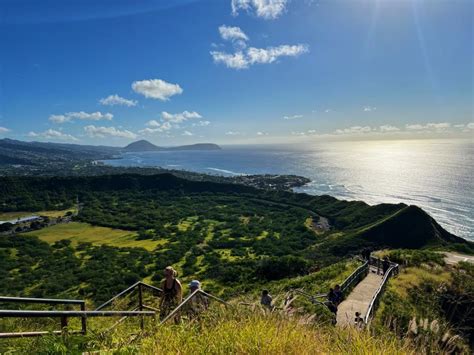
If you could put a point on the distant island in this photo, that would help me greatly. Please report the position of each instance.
(145, 146)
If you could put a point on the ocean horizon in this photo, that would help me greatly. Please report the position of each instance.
(435, 175)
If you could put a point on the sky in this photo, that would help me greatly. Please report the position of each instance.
(235, 71)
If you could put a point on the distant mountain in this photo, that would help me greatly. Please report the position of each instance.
(145, 146)
(141, 146)
(39, 153)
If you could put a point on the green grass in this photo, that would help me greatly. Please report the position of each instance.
(84, 232)
(412, 277)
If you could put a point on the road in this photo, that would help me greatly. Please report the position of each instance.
(454, 258)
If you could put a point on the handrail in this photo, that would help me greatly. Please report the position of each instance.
(59, 314)
(311, 297)
(128, 290)
(345, 284)
(4, 299)
(375, 298)
(82, 313)
(357, 272)
(187, 299)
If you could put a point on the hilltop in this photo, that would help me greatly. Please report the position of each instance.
(146, 146)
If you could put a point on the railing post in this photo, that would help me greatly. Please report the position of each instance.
(140, 305)
(64, 326)
(83, 319)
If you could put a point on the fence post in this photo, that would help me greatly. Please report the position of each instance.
(83, 319)
(140, 305)
(64, 326)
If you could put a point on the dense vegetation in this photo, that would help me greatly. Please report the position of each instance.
(232, 236)
(429, 301)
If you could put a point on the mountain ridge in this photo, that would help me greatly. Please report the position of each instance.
(40, 153)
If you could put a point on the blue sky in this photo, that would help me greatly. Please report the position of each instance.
(235, 71)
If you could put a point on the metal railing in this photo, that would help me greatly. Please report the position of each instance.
(352, 280)
(355, 277)
(391, 271)
(173, 313)
(52, 301)
(83, 314)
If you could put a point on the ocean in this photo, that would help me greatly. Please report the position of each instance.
(433, 174)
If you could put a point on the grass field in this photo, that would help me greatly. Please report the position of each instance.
(6, 216)
(84, 232)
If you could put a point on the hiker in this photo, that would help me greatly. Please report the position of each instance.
(385, 265)
(366, 254)
(358, 321)
(172, 293)
(338, 294)
(199, 302)
(266, 300)
(331, 303)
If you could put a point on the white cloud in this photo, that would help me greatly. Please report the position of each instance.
(354, 130)
(153, 123)
(155, 126)
(232, 133)
(70, 116)
(414, 127)
(59, 118)
(113, 100)
(187, 133)
(242, 60)
(271, 54)
(428, 127)
(101, 132)
(4, 130)
(470, 125)
(202, 124)
(369, 108)
(53, 134)
(234, 61)
(156, 89)
(266, 9)
(310, 132)
(229, 33)
(262, 134)
(179, 117)
(294, 117)
(327, 110)
(442, 125)
(388, 128)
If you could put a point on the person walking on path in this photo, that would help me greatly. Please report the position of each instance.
(172, 293)
(338, 294)
(385, 265)
(266, 300)
(199, 302)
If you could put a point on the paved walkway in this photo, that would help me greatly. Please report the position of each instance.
(358, 300)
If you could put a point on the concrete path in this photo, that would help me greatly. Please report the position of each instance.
(454, 258)
(358, 300)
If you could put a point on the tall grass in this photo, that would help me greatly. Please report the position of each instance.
(247, 332)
